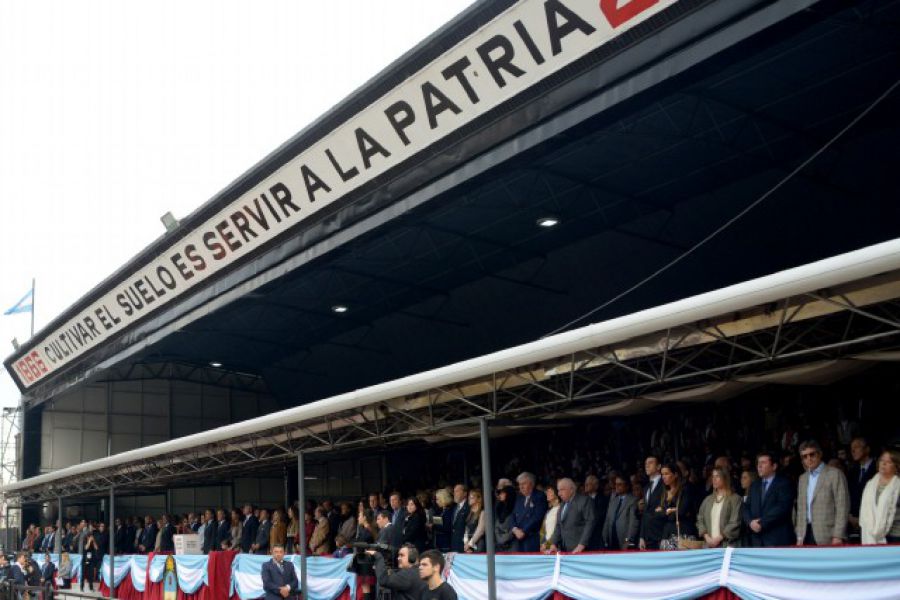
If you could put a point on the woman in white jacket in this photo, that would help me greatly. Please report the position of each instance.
(879, 512)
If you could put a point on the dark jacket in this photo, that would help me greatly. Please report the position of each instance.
(248, 533)
(262, 537)
(856, 485)
(148, 537)
(651, 526)
(601, 505)
(774, 511)
(458, 528)
(414, 530)
(274, 578)
(122, 540)
(223, 532)
(209, 536)
(403, 583)
(442, 531)
(529, 519)
(167, 538)
(47, 571)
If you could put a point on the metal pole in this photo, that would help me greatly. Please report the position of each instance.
(32, 307)
(487, 484)
(112, 542)
(301, 528)
(57, 541)
(287, 502)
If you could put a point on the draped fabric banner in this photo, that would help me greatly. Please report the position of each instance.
(871, 572)
(122, 568)
(326, 577)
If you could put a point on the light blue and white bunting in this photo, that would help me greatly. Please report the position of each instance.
(192, 572)
(326, 577)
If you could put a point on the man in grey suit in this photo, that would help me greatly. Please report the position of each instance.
(620, 529)
(823, 500)
(575, 522)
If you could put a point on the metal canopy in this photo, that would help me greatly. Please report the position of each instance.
(808, 322)
(641, 172)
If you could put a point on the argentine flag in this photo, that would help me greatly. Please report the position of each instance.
(23, 305)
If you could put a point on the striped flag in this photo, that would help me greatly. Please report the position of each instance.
(26, 304)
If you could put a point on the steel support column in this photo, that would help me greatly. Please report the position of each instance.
(488, 506)
(112, 543)
(57, 541)
(301, 530)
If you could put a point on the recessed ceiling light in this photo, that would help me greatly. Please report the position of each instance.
(548, 222)
(215, 364)
(339, 308)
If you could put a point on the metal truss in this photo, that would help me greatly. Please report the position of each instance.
(181, 371)
(850, 324)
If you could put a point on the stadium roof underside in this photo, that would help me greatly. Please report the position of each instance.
(810, 324)
(640, 153)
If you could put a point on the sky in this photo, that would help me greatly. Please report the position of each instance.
(114, 112)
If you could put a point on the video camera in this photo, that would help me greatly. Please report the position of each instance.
(363, 563)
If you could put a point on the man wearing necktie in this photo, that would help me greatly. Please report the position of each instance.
(620, 528)
(576, 520)
(769, 506)
(279, 577)
(528, 515)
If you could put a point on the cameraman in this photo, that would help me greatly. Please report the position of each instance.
(404, 583)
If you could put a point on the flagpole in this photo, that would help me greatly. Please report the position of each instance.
(32, 307)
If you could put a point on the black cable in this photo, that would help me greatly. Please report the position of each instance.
(736, 217)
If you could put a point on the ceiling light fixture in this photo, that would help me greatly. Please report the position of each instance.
(215, 364)
(340, 308)
(548, 222)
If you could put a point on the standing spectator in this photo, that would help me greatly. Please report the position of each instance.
(550, 519)
(333, 514)
(460, 514)
(366, 529)
(48, 570)
(65, 571)
(236, 530)
(528, 515)
(414, 525)
(210, 531)
(249, 529)
(223, 530)
(383, 520)
(148, 535)
(503, 514)
(719, 518)
(879, 516)
(576, 522)
(593, 490)
(89, 563)
(441, 530)
(675, 507)
(473, 539)
(861, 471)
(101, 538)
(769, 506)
(620, 529)
(747, 479)
(309, 518)
(651, 525)
(201, 530)
(167, 535)
(278, 531)
(121, 537)
(823, 501)
(293, 529)
(261, 545)
(320, 540)
(398, 517)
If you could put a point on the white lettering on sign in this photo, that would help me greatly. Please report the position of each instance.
(514, 51)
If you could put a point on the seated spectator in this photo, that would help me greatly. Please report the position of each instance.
(879, 515)
(823, 500)
(473, 539)
(719, 518)
(550, 518)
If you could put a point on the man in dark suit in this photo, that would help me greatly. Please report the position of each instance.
(398, 517)
(121, 538)
(101, 536)
(575, 520)
(860, 472)
(279, 577)
(385, 529)
(148, 537)
(261, 545)
(223, 531)
(593, 489)
(248, 532)
(620, 529)
(130, 532)
(651, 527)
(528, 515)
(209, 532)
(460, 514)
(167, 535)
(769, 506)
